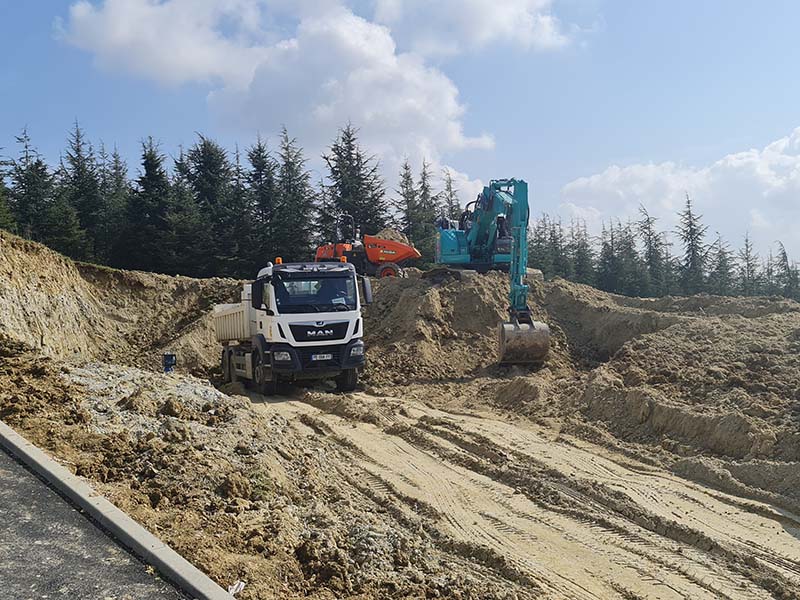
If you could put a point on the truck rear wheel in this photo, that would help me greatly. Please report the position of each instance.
(347, 380)
(232, 376)
(225, 364)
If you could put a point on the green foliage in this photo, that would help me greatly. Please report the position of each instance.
(141, 245)
(691, 233)
(422, 228)
(7, 220)
(449, 197)
(79, 183)
(206, 214)
(406, 203)
(295, 211)
(262, 184)
(721, 277)
(356, 187)
(32, 190)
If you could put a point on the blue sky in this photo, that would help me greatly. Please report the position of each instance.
(601, 105)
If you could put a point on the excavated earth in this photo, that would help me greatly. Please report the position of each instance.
(654, 456)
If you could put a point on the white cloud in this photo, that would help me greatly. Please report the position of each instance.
(172, 42)
(312, 66)
(755, 190)
(450, 26)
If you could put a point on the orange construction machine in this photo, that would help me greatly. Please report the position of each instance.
(371, 255)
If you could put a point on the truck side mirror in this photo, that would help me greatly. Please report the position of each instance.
(367, 290)
(257, 294)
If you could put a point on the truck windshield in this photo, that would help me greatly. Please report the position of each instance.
(314, 294)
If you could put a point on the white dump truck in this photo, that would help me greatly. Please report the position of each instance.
(295, 321)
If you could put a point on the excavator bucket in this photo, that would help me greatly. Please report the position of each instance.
(523, 343)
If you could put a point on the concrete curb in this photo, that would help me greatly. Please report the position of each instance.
(171, 565)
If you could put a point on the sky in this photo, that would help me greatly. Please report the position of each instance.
(601, 105)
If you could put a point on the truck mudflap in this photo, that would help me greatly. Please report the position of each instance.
(329, 358)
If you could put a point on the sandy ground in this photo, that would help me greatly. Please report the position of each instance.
(654, 456)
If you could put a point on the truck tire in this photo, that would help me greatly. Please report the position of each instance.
(226, 372)
(232, 376)
(263, 387)
(347, 380)
(389, 269)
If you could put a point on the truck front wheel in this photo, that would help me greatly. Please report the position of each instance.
(347, 380)
(263, 386)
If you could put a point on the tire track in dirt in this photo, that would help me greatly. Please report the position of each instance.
(754, 528)
(572, 545)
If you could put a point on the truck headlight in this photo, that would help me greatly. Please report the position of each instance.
(357, 350)
(281, 356)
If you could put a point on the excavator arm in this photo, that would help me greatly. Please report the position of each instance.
(521, 339)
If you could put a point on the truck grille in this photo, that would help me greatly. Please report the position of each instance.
(307, 353)
(311, 331)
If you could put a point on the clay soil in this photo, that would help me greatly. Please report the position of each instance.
(654, 456)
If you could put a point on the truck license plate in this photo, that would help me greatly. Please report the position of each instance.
(322, 357)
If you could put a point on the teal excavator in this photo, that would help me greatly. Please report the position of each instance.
(492, 234)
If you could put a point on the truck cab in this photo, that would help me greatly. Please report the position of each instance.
(295, 321)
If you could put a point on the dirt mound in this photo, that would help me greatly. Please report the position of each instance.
(726, 385)
(74, 310)
(431, 329)
(393, 236)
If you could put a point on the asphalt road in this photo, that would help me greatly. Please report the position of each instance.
(48, 549)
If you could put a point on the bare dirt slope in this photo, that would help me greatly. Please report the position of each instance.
(81, 311)
(655, 456)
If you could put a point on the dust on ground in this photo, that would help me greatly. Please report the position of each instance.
(655, 455)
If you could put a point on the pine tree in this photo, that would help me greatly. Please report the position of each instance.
(356, 188)
(406, 204)
(7, 220)
(582, 254)
(79, 181)
(767, 278)
(295, 212)
(262, 186)
(238, 237)
(32, 190)
(328, 217)
(692, 232)
(144, 242)
(449, 200)
(608, 262)
(785, 274)
(185, 250)
(558, 250)
(539, 251)
(632, 279)
(654, 254)
(422, 221)
(61, 229)
(116, 190)
(721, 278)
(748, 268)
(210, 175)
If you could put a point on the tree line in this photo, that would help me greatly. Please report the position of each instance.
(208, 212)
(634, 258)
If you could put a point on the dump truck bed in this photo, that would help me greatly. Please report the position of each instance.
(232, 322)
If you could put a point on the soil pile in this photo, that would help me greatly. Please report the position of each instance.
(430, 329)
(393, 236)
(73, 310)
